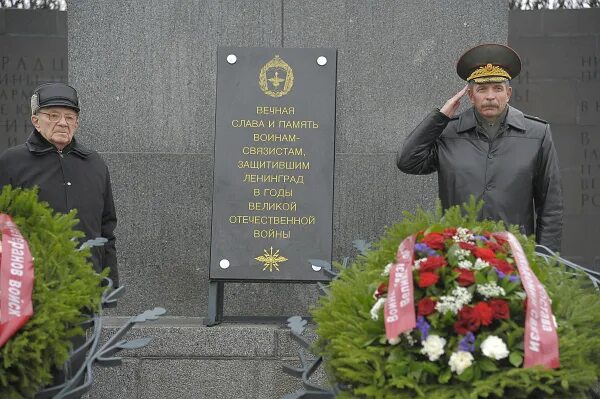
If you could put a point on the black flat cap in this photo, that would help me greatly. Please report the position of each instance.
(489, 62)
(54, 95)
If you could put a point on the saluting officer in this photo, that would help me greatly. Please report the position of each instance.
(492, 150)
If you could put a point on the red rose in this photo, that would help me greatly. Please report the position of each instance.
(432, 263)
(467, 245)
(449, 232)
(426, 306)
(381, 290)
(427, 279)
(471, 318)
(484, 313)
(494, 246)
(465, 277)
(499, 239)
(461, 327)
(502, 266)
(500, 308)
(484, 253)
(434, 241)
(468, 319)
(465, 313)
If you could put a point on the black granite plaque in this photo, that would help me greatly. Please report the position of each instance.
(274, 158)
(34, 51)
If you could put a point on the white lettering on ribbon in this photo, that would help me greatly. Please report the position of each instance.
(541, 338)
(16, 280)
(399, 309)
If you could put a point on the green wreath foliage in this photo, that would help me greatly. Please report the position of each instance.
(361, 362)
(65, 284)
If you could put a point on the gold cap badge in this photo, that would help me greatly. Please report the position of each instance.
(489, 63)
(489, 74)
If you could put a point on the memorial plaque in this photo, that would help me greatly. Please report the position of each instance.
(34, 51)
(274, 157)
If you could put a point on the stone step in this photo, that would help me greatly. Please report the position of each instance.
(189, 360)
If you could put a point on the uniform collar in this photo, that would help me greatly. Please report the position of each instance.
(37, 144)
(467, 120)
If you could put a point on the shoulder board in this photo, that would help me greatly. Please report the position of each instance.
(535, 118)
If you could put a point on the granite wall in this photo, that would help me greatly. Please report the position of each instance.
(33, 50)
(560, 83)
(146, 75)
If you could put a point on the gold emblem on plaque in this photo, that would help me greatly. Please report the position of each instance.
(276, 78)
(271, 259)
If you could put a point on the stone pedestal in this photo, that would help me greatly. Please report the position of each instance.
(188, 360)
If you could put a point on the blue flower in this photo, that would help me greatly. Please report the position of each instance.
(420, 247)
(467, 344)
(423, 326)
(500, 274)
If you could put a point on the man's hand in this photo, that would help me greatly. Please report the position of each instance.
(452, 104)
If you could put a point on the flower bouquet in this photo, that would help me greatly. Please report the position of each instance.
(449, 307)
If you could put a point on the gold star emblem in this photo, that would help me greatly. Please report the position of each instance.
(271, 259)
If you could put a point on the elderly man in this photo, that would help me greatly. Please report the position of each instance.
(69, 175)
(492, 150)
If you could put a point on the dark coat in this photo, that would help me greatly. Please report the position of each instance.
(516, 174)
(75, 178)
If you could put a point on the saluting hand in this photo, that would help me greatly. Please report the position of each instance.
(452, 104)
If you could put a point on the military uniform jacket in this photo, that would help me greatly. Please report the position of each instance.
(76, 178)
(516, 174)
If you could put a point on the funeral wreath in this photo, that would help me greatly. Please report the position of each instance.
(446, 306)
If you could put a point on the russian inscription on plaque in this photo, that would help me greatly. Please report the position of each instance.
(274, 158)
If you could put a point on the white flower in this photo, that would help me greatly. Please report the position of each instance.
(490, 290)
(463, 235)
(418, 262)
(461, 254)
(409, 338)
(376, 308)
(433, 347)
(493, 347)
(480, 264)
(459, 297)
(521, 295)
(386, 271)
(465, 264)
(460, 361)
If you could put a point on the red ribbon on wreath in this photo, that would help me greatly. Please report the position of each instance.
(541, 338)
(16, 280)
(399, 308)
